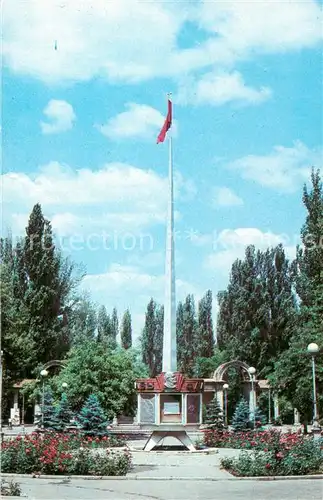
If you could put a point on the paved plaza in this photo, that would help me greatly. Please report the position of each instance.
(42, 489)
(170, 475)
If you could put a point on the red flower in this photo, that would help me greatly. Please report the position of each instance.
(268, 466)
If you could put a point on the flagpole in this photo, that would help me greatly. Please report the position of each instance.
(169, 339)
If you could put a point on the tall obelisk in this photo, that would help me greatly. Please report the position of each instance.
(169, 343)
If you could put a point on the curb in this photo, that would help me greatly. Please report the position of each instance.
(169, 478)
(209, 451)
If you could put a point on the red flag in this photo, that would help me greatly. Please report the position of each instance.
(167, 124)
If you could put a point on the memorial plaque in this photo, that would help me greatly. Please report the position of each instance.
(172, 408)
(147, 409)
(193, 409)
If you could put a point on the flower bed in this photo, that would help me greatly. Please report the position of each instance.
(53, 453)
(258, 440)
(300, 458)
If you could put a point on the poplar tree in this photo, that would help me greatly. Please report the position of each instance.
(103, 325)
(187, 331)
(114, 327)
(204, 338)
(126, 330)
(152, 338)
(292, 375)
(257, 311)
(41, 297)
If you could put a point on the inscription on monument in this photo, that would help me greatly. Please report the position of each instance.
(147, 409)
(172, 408)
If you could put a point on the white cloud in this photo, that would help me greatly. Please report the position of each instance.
(225, 197)
(264, 26)
(285, 168)
(129, 286)
(184, 189)
(200, 240)
(221, 88)
(61, 117)
(230, 244)
(117, 198)
(149, 260)
(121, 39)
(139, 121)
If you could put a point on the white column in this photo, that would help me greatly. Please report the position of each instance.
(220, 398)
(252, 399)
(37, 413)
(276, 406)
(157, 409)
(169, 343)
(296, 417)
(184, 409)
(136, 418)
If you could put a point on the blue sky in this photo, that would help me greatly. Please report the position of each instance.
(84, 97)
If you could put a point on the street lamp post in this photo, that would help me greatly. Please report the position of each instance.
(252, 372)
(313, 349)
(43, 374)
(225, 388)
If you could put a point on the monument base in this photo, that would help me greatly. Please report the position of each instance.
(179, 434)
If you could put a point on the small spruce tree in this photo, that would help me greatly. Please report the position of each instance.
(92, 419)
(241, 416)
(64, 413)
(48, 419)
(214, 415)
(259, 418)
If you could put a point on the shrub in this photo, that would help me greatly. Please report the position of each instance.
(92, 419)
(301, 458)
(261, 440)
(54, 453)
(101, 463)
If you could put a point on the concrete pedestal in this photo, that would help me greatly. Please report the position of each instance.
(179, 434)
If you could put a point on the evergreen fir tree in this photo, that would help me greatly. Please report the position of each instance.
(214, 415)
(92, 419)
(48, 420)
(126, 330)
(63, 414)
(241, 416)
(260, 418)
